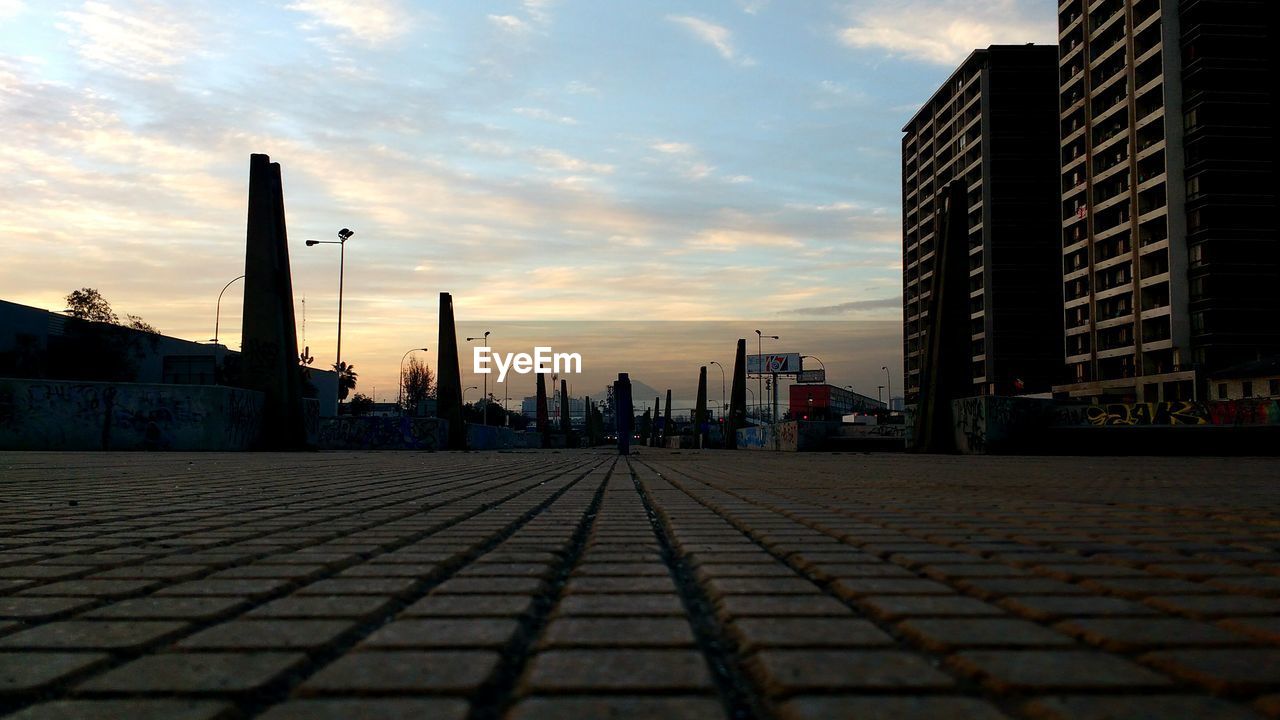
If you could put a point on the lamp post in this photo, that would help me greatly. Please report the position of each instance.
(484, 413)
(217, 315)
(464, 393)
(722, 402)
(888, 384)
(753, 402)
(343, 235)
(815, 357)
(760, 336)
(400, 401)
(879, 394)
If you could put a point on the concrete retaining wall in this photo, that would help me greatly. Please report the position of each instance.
(383, 433)
(68, 415)
(489, 437)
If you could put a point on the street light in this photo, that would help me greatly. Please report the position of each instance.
(880, 394)
(343, 235)
(400, 401)
(464, 393)
(760, 361)
(815, 357)
(722, 402)
(217, 316)
(888, 383)
(485, 414)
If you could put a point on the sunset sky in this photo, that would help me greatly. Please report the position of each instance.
(541, 160)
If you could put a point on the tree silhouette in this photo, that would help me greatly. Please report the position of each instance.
(419, 383)
(88, 304)
(346, 379)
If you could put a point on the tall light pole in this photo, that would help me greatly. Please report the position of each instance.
(760, 336)
(880, 394)
(400, 401)
(485, 398)
(888, 384)
(217, 314)
(464, 393)
(343, 235)
(722, 403)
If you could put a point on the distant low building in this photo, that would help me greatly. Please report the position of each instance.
(1256, 379)
(828, 402)
(39, 344)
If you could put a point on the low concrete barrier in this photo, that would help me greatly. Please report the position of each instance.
(383, 433)
(489, 437)
(70, 415)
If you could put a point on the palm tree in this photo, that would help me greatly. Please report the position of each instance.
(346, 379)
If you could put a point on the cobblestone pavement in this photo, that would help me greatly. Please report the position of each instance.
(678, 585)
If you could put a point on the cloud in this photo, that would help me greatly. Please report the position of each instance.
(854, 306)
(577, 87)
(10, 9)
(717, 36)
(370, 21)
(943, 32)
(545, 115)
(144, 44)
(559, 160)
(510, 23)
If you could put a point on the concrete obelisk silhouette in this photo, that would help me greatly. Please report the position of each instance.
(738, 397)
(269, 341)
(449, 376)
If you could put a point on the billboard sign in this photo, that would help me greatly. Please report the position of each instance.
(812, 376)
(780, 363)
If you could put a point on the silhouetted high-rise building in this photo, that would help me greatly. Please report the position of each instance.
(994, 126)
(1168, 216)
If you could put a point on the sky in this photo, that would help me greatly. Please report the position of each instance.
(563, 160)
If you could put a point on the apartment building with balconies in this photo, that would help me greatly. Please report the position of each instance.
(992, 125)
(1168, 222)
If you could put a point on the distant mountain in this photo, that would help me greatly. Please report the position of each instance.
(641, 394)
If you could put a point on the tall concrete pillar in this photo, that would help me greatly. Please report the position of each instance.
(653, 423)
(700, 408)
(543, 421)
(623, 412)
(588, 424)
(449, 376)
(566, 424)
(738, 397)
(269, 341)
(944, 374)
(666, 421)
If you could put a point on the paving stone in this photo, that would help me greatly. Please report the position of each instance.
(587, 671)
(1262, 629)
(623, 707)
(369, 709)
(1133, 634)
(30, 671)
(242, 588)
(1047, 607)
(92, 635)
(41, 608)
(778, 632)
(319, 606)
(1225, 671)
(946, 634)
(861, 587)
(815, 604)
(407, 672)
(167, 608)
(1053, 670)
(854, 707)
(892, 607)
(91, 588)
(267, 635)
(106, 709)
(470, 606)
(625, 605)
(443, 633)
(786, 672)
(494, 585)
(1135, 707)
(189, 673)
(618, 632)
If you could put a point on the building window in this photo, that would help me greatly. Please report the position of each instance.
(1273, 387)
(1246, 388)
(1222, 391)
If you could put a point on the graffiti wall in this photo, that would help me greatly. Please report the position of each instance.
(1220, 413)
(382, 433)
(994, 424)
(65, 415)
(489, 437)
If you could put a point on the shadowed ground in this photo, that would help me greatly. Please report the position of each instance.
(671, 584)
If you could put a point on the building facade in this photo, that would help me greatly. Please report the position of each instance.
(1168, 214)
(993, 126)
